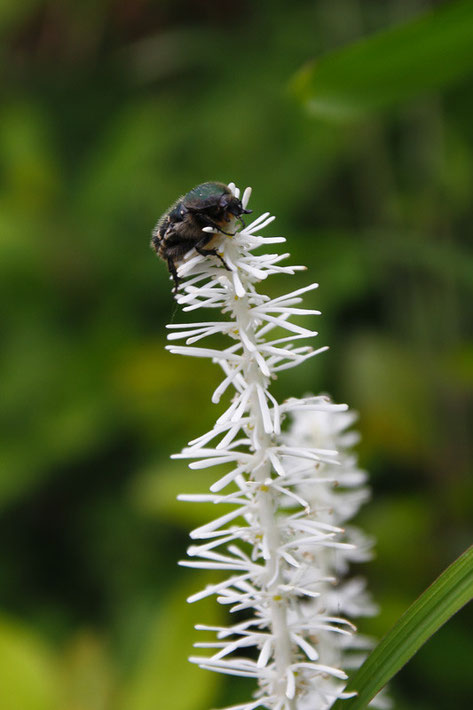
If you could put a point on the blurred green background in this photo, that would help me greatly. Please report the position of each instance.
(110, 110)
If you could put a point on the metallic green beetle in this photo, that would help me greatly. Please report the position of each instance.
(211, 204)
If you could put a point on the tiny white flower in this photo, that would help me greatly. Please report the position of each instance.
(285, 544)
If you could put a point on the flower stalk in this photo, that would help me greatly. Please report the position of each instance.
(282, 544)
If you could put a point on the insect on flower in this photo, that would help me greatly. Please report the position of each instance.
(287, 492)
(180, 228)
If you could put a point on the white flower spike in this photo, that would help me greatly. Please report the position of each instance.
(285, 544)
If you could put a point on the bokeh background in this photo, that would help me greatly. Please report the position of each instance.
(110, 110)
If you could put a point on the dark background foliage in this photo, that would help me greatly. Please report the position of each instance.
(110, 110)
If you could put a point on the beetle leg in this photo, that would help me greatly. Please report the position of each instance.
(210, 223)
(210, 252)
(173, 272)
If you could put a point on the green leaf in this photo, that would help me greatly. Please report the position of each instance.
(447, 595)
(424, 55)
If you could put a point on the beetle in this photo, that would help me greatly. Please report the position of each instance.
(179, 229)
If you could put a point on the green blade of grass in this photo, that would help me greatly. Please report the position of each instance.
(447, 595)
(391, 66)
